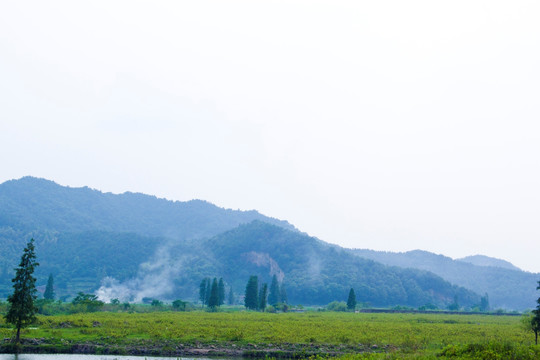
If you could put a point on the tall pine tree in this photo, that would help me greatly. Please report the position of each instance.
(202, 290)
(274, 297)
(208, 290)
(21, 309)
(251, 299)
(49, 289)
(221, 292)
(351, 301)
(263, 294)
(213, 300)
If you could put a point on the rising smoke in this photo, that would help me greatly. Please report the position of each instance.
(155, 279)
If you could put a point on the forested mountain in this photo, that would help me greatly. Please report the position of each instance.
(317, 273)
(506, 287)
(135, 246)
(38, 204)
(312, 271)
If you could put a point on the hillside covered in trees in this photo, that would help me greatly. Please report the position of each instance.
(37, 204)
(507, 286)
(141, 246)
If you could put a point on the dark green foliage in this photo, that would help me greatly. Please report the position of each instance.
(351, 300)
(156, 302)
(490, 350)
(274, 297)
(208, 291)
(263, 294)
(22, 311)
(337, 306)
(49, 289)
(179, 305)
(213, 300)
(428, 307)
(221, 292)
(87, 302)
(251, 300)
(203, 290)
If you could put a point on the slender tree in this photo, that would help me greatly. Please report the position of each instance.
(202, 291)
(274, 297)
(208, 290)
(21, 309)
(351, 301)
(221, 292)
(251, 300)
(213, 301)
(49, 289)
(263, 295)
(283, 294)
(535, 321)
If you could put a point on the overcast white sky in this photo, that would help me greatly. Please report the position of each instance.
(390, 125)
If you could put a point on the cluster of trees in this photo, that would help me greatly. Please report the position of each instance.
(350, 305)
(212, 293)
(257, 298)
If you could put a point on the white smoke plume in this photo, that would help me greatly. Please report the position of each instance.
(154, 279)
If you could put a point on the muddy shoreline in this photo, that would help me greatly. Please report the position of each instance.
(176, 349)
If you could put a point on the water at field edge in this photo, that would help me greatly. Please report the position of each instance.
(92, 357)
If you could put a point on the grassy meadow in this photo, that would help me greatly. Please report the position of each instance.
(366, 335)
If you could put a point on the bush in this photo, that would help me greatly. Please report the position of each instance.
(337, 306)
(492, 350)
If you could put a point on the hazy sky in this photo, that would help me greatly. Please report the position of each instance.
(390, 125)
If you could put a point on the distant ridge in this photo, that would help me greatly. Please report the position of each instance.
(482, 260)
(508, 288)
(39, 204)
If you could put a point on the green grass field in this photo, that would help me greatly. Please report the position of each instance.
(374, 335)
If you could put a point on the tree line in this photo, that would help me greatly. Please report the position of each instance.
(212, 293)
(258, 297)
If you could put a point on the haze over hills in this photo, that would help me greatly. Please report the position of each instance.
(507, 286)
(482, 260)
(137, 246)
(38, 204)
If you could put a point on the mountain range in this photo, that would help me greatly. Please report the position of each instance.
(133, 246)
(507, 286)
